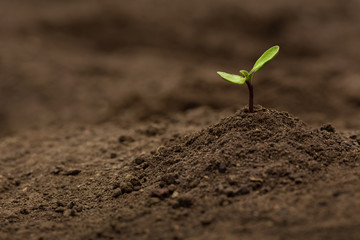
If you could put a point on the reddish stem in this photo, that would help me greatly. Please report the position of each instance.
(251, 96)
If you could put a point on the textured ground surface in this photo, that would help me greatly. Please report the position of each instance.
(114, 125)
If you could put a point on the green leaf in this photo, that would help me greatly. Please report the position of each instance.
(232, 78)
(265, 58)
(244, 73)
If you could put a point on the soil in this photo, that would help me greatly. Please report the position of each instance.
(114, 124)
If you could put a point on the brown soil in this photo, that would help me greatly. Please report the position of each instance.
(114, 125)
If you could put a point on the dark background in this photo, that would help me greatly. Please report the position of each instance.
(87, 61)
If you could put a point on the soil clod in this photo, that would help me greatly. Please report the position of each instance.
(328, 128)
(160, 193)
(72, 172)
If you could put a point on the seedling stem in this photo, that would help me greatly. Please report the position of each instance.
(251, 96)
(248, 77)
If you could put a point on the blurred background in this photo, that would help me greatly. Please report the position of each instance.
(88, 61)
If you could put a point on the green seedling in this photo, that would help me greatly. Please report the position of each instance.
(247, 77)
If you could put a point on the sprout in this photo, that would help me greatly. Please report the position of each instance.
(248, 76)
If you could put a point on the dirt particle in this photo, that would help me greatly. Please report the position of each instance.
(152, 131)
(231, 179)
(79, 208)
(175, 194)
(354, 137)
(117, 193)
(169, 179)
(298, 181)
(71, 205)
(59, 203)
(177, 149)
(116, 185)
(206, 220)
(69, 213)
(56, 170)
(12, 218)
(59, 209)
(193, 183)
(160, 193)
(328, 128)
(126, 187)
(244, 190)
(256, 185)
(314, 166)
(113, 155)
(152, 201)
(336, 193)
(172, 188)
(185, 201)
(72, 172)
(135, 181)
(222, 168)
(145, 165)
(24, 211)
(230, 192)
(254, 179)
(139, 160)
(126, 139)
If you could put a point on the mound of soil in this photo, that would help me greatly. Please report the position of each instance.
(265, 175)
(256, 175)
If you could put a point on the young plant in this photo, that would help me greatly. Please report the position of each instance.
(248, 76)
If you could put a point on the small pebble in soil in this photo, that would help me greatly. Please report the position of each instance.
(175, 194)
(254, 179)
(113, 155)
